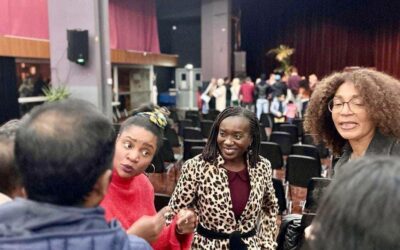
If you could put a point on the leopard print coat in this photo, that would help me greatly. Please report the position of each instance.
(204, 187)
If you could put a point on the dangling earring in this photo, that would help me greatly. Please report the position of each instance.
(250, 152)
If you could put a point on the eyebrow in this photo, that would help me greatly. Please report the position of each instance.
(353, 96)
(144, 143)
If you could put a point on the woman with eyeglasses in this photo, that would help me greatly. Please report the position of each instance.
(356, 113)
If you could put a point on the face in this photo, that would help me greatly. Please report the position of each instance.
(234, 138)
(134, 151)
(352, 124)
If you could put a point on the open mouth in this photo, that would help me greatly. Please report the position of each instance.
(229, 151)
(348, 125)
(127, 169)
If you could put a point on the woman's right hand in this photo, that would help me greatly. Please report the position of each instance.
(149, 227)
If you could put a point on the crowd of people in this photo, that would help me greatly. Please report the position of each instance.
(285, 96)
(68, 181)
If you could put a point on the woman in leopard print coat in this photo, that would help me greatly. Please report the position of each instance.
(230, 187)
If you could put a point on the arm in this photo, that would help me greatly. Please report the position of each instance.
(185, 190)
(269, 213)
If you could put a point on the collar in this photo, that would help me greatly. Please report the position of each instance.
(119, 181)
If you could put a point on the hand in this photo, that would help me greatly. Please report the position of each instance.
(186, 222)
(149, 227)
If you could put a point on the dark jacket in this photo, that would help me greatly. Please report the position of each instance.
(380, 145)
(26, 224)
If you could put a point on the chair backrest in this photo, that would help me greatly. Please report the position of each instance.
(299, 123)
(167, 152)
(280, 194)
(172, 136)
(196, 150)
(267, 120)
(263, 133)
(315, 189)
(205, 126)
(195, 118)
(192, 133)
(284, 139)
(272, 151)
(183, 124)
(157, 165)
(305, 149)
(212, 115)
(161, 200)
(277, 125)
(187, 147)
(323, 151)
(300, 169)
(307, 139)
(292, 130)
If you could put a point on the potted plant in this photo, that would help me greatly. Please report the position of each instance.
(282, 55)
(58, 93)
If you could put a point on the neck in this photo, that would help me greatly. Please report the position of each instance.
(235, 165)
(360, 146)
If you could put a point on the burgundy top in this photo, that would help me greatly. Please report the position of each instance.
(239, 185)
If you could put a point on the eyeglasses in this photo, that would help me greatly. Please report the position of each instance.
(355, 105)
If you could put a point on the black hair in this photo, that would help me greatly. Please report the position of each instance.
(364, 194)
(9, 175)
(61, 150)
(211, 150)
(143, 121)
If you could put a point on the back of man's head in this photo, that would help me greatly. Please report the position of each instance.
(61, 149)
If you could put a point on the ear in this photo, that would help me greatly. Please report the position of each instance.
(99, 189)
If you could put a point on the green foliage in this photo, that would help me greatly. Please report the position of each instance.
(282, 55)
(56, 93)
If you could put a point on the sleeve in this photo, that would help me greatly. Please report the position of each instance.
(273, 109)
(185, 190)
(170, 240)
(269, 213)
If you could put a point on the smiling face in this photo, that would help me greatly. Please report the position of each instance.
(234, 138)
(354, 125)
(134, 151)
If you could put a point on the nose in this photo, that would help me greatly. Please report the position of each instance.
(228, 141)
(346, 110)
(133, 155)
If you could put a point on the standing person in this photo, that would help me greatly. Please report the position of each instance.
(235, 89)
(230, 186)
(262, 91)
(246, 94)
(64, 151)
(208, 97)
(139, 139)
(294, 81)
(220, 95)
(227, 83)
(356, 113)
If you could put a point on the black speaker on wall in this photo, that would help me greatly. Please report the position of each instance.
(78, 46)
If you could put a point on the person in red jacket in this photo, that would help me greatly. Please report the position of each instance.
(130, 196)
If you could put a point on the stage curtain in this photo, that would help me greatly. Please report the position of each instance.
(133, 25)
(9, 108)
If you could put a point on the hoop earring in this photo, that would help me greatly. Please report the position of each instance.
(250, 152)
(154, 168)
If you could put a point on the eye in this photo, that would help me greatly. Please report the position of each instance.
(221, 133)
(145, 153)
(337, 103)
(357, 102)
(238, 136)
(127, 145)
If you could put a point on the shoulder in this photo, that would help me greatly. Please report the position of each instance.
(264, 165)
(194, 163)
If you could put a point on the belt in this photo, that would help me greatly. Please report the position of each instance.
(235, 238)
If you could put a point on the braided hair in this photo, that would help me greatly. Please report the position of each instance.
(211, 149)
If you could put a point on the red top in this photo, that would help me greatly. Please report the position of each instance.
(247, 90)
(129, 199)
(239, 185)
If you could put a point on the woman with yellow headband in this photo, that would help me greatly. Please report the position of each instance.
(130, 197)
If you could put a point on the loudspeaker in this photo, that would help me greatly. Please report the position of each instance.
(78, 46)
(239, 58)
